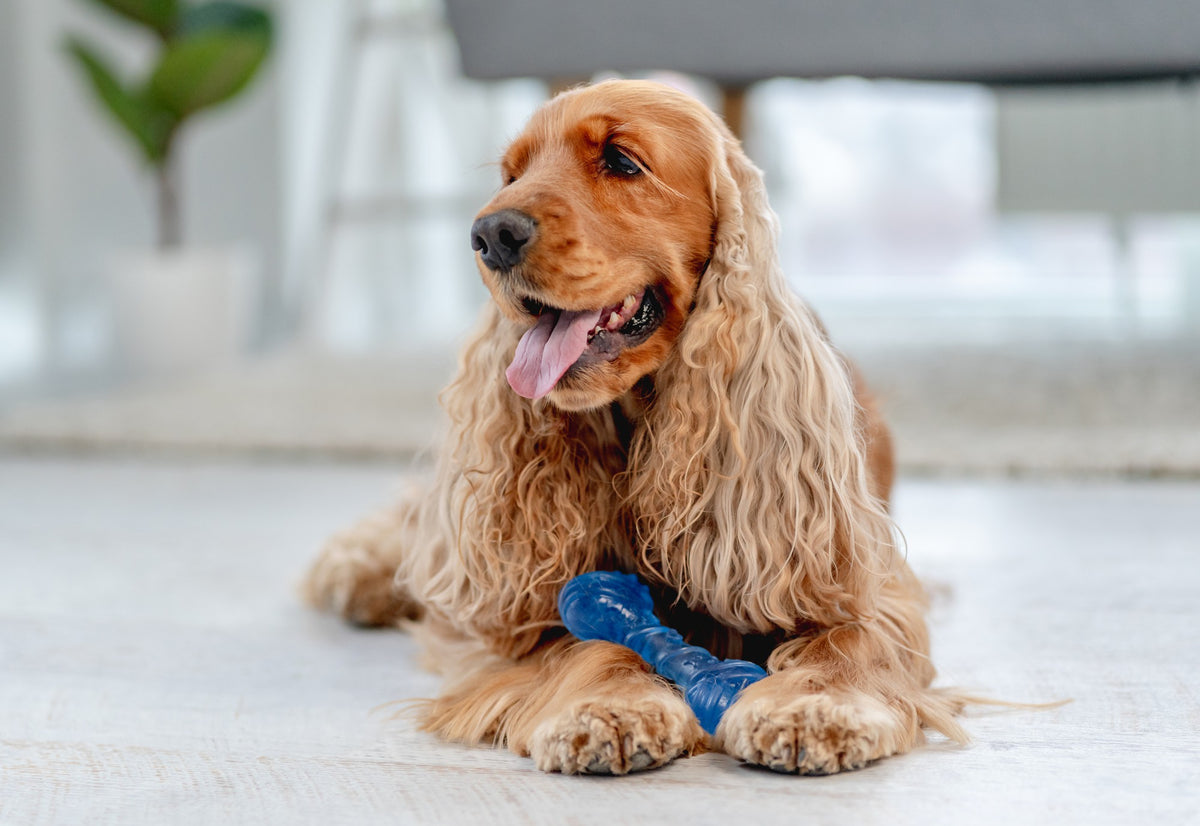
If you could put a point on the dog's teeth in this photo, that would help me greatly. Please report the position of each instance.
(628, 303)
(614, 320)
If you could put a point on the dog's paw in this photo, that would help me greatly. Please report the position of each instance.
(354, 578)
(814, 734)
(616, 736)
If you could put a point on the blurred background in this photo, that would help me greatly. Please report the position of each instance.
(1005, 236)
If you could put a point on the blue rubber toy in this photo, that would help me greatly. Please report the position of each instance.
(606, 605)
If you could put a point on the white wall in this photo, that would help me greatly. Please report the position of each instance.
(1122, 149)
(19, 333)
(11, 143)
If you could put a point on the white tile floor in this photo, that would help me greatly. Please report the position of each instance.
(155, 666)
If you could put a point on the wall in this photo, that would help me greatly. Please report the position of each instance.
(11, 143)
(1119, 149)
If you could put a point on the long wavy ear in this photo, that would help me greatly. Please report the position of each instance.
(512, 515)
(748, 481)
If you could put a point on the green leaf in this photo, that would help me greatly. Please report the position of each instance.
(223, 15)
(160, 15)
(150, 126)
(206, 69)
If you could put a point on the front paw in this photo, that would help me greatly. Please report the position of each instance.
(354, 576)
(616, 736)
(814, 734)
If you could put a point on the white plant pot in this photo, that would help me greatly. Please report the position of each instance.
(182, 311)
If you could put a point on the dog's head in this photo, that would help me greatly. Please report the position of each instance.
(598, 238)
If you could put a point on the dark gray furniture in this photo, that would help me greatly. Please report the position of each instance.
(737, 42)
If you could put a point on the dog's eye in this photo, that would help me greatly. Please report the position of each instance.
(618, 163)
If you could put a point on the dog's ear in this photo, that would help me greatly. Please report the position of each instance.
(517, 485)
(748, 481)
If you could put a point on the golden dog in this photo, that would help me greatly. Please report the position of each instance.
(645, 394)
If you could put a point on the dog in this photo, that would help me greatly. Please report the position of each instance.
(643, 393)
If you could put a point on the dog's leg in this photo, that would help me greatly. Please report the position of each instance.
(577, 708)
(794, 722)
(840, 700)
(355, 571)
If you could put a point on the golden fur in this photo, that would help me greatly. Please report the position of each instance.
(733, 460)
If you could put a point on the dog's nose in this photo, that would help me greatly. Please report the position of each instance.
(502, 238)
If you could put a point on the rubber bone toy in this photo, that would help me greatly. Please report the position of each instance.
(615, 607)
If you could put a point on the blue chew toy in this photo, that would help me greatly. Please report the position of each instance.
(606, 605)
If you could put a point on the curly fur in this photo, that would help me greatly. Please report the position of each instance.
(733, 460)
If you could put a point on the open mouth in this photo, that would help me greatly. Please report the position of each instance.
(567, 340)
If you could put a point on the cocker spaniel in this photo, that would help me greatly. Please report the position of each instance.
(644, 394)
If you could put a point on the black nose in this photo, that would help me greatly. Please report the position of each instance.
(502, 238)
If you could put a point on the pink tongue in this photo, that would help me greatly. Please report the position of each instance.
(547, 349)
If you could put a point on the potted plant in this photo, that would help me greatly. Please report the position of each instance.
(178, 308)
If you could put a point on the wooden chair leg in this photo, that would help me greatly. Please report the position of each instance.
(733, 107)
